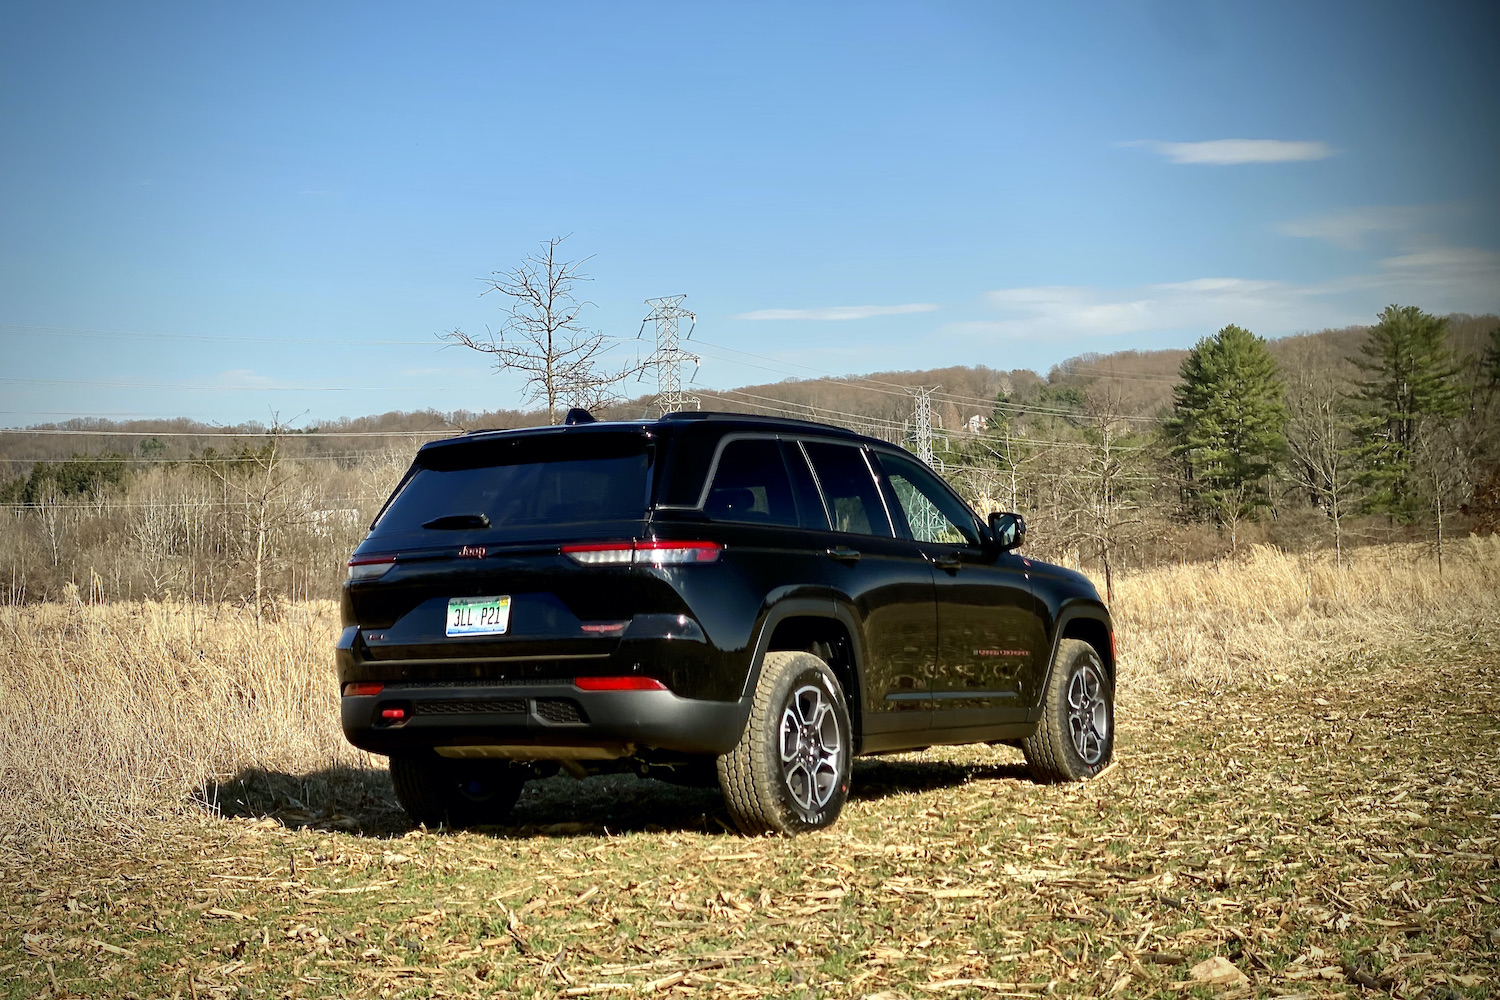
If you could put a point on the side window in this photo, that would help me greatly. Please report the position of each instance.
(751, 485)
(853, 499)
(809, 503)
(932, 513)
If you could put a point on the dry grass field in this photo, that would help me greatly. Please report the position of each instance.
(1305, 788)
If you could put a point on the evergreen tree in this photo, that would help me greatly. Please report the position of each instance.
(1490, 363)
(1228, 424)
(1412, 382)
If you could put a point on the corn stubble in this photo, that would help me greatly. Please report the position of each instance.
(1304, 803)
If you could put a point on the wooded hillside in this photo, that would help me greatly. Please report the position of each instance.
(1095, 453)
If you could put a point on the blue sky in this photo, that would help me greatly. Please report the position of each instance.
(219, 211)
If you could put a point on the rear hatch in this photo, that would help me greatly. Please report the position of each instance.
(464, 567)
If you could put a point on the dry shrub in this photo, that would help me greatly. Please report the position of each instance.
(1270, 615)
(112, 712)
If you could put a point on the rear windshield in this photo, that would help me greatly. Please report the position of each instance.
(524, 483)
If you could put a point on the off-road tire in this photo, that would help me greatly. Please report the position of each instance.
(768, 791)
(1080, 701)
(435, 791)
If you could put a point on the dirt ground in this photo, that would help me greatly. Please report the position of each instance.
(1336, 833)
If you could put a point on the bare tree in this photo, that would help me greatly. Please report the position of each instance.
(542, 337)
(1440, 461)
(1320, 444)
(260, 477)
(1104, 492)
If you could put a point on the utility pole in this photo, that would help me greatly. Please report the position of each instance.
(668, 356)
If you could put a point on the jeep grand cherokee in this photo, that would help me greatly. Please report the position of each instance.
(707, 596)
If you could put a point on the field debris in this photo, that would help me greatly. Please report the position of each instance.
(1331, 835)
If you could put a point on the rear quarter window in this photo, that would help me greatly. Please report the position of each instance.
(849, 488)
(751, 485)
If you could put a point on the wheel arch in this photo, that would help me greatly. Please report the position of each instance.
(1090, 622)
(826, 630)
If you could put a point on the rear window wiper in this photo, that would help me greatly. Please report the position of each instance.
(457, 522)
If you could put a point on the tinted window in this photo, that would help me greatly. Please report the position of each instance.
(809, 503)
(932, 513)
(526, 483)
(751, 484)
(849, 488)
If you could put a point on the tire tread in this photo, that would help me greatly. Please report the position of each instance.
(745, 773)
(1048, 751)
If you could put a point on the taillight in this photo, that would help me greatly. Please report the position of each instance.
(363, 689)
(676, 553)
(648, 552)
(395, 713)
(619, 684)
(607, 554)
(370, 567)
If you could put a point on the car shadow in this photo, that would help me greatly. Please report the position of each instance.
(882, 779)
(361, 801)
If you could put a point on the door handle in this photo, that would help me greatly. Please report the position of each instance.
(948, 560)
(844, 554)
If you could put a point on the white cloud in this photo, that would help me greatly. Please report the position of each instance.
(1446, 266)
(1440, 279)
(840, 312)
(1228, 152)
(1069, 311)
(1349, 227)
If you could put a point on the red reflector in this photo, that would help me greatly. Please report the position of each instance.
(394, 714)
(363, 689)
(619, 684)
(603, 626)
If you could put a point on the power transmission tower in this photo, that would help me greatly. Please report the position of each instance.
(668, 357)
(922, 420)
(926, 522)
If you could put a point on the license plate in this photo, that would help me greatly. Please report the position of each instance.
(478, 615)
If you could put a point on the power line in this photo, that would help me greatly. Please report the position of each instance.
(180, 387)
(289, 436)
(59, 331)
(195, 460)
(181, 504)
(897, 389)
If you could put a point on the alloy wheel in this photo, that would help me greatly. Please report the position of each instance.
(811, 748)
(1088, 714)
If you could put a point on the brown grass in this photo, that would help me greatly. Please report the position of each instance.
(111, 713)
(114, 712)
(1331, 827)
(1271, 616)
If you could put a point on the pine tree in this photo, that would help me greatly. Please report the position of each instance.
(1412, 382)
(1228, 426)
(1490, 364)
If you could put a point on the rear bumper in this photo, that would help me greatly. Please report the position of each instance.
(547, 716)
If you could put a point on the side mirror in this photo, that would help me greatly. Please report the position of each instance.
(1008, 530)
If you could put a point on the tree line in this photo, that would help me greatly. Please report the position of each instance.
(1405, 445)
(1335, 439)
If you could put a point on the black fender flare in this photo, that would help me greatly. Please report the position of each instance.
(1072, 610)
(808, 607)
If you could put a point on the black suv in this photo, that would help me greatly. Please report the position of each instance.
(705, 597)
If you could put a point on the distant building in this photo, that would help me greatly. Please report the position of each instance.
(978, 422)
